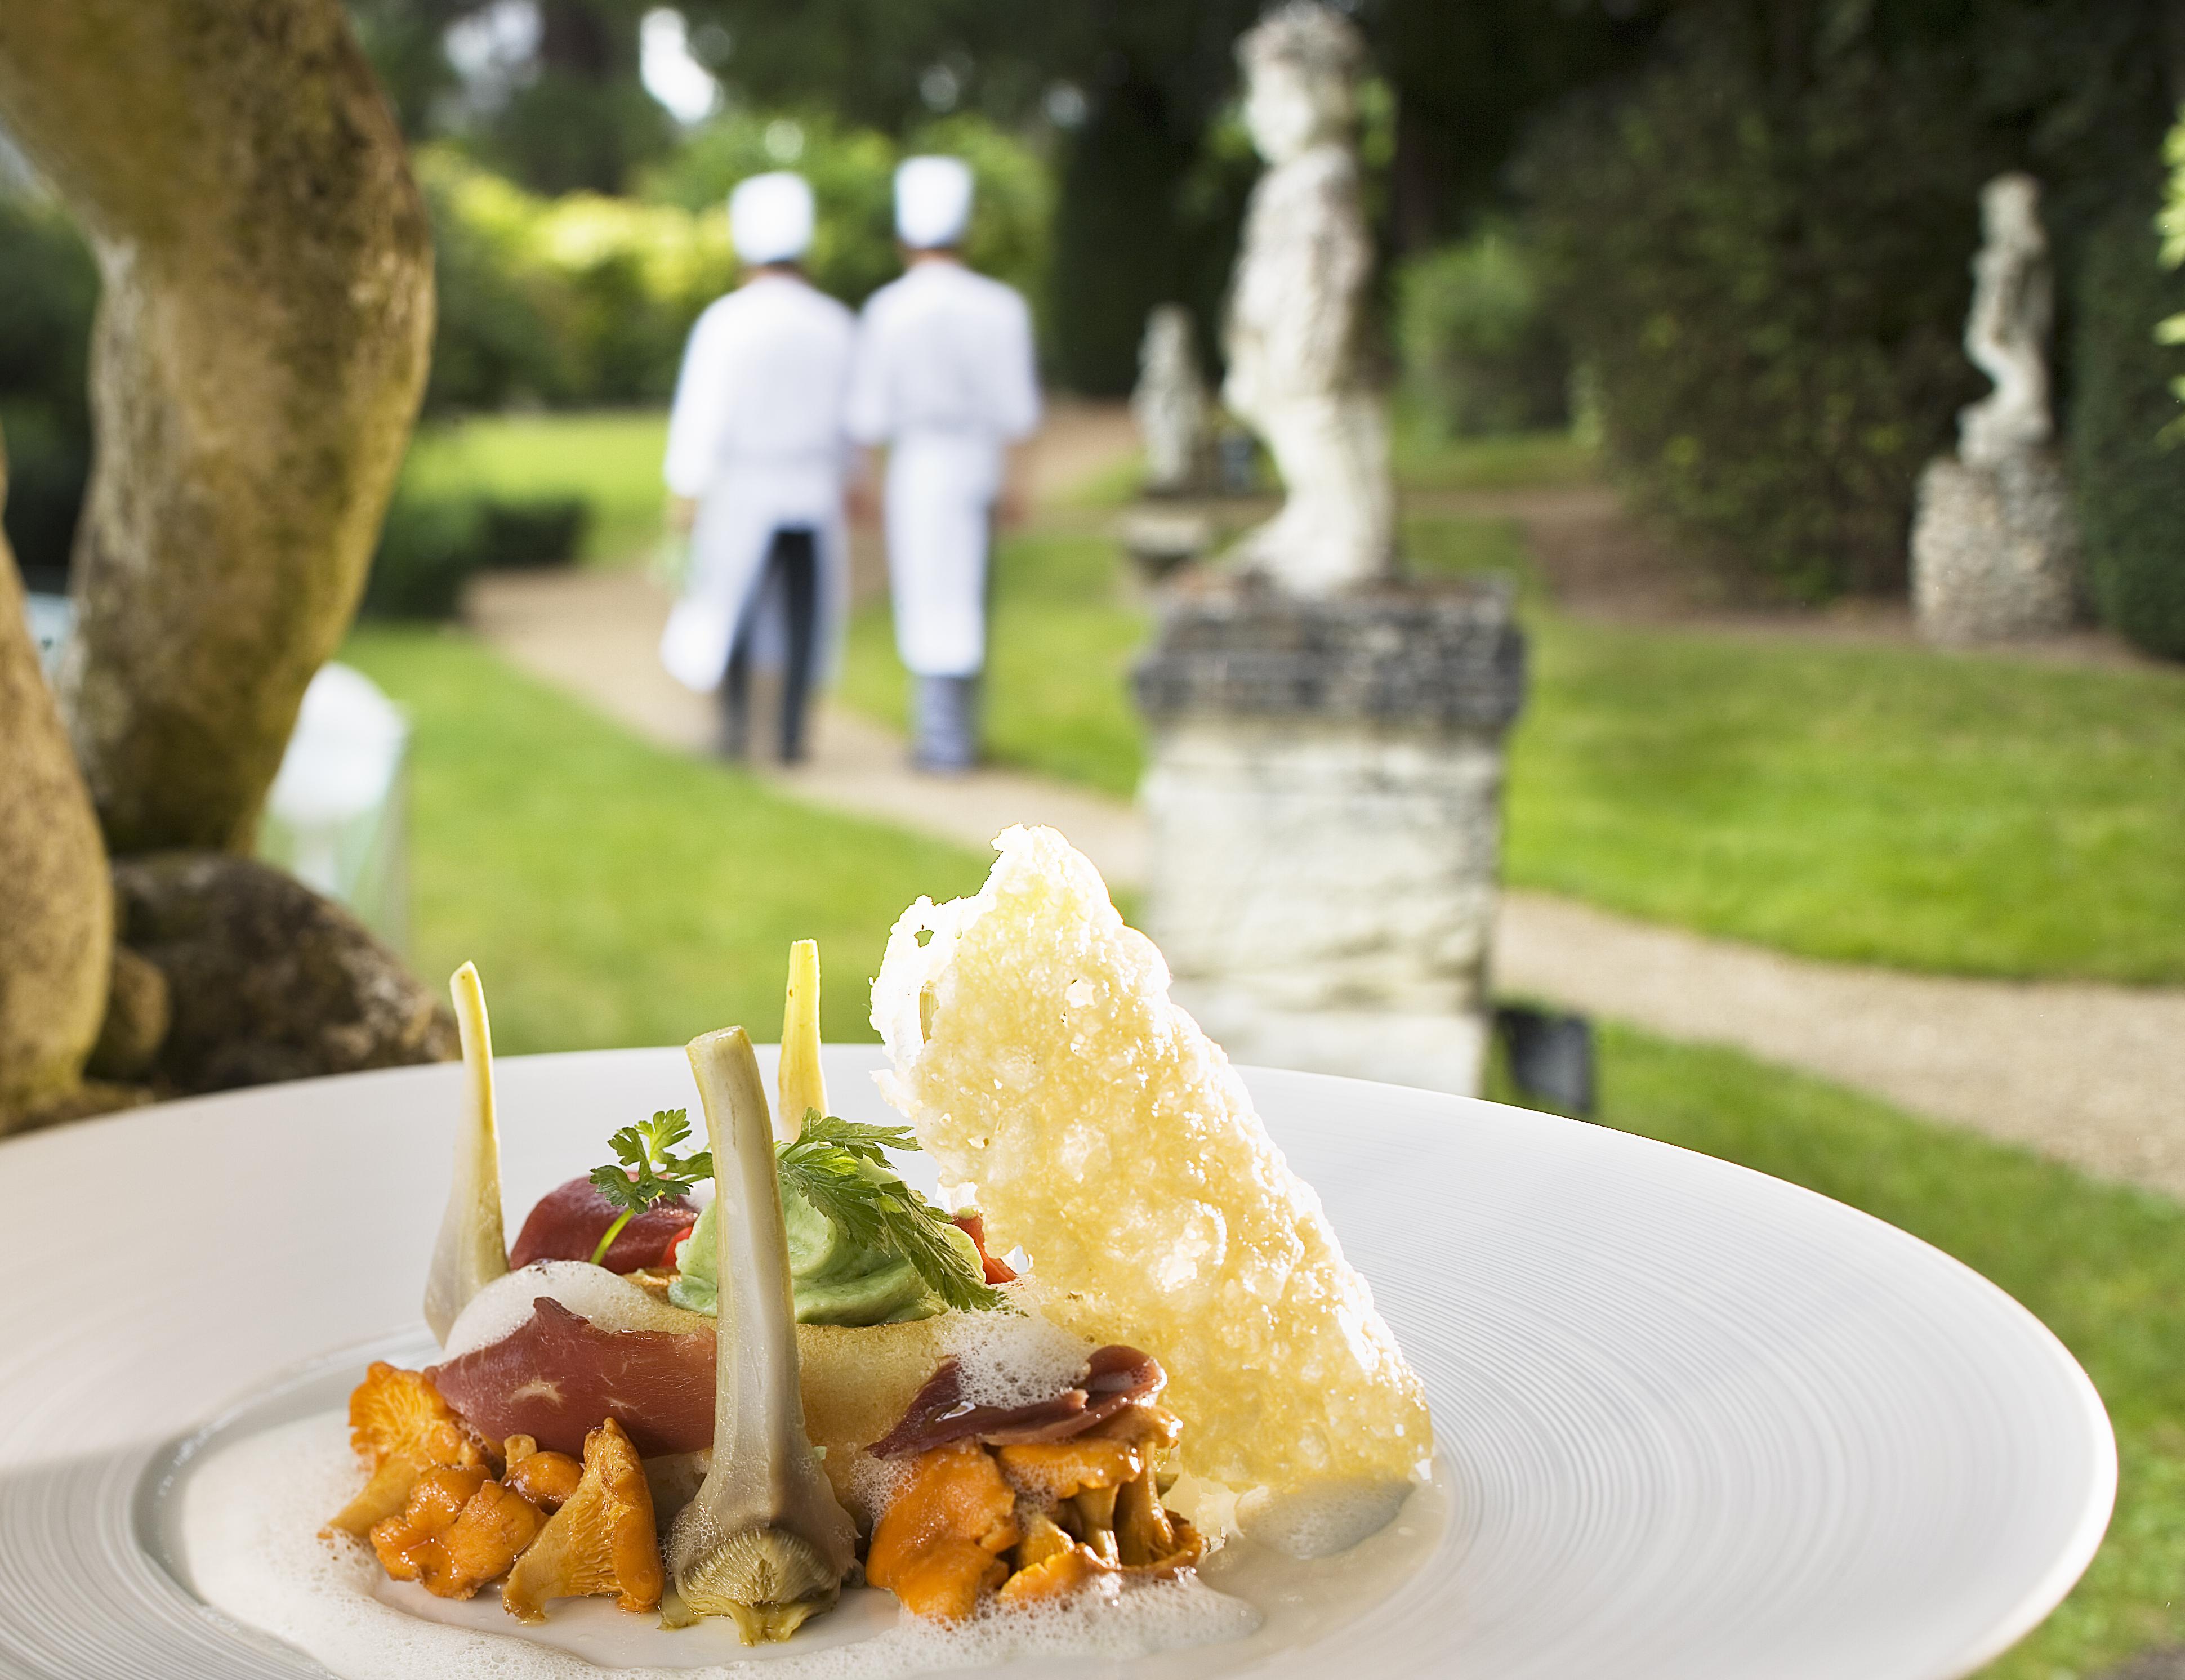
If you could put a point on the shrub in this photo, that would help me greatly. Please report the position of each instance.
(852, 176)
(51, 287)
(432, 543)
(575, 300)
(1766, 289)
(1479, 354)
(2128, 463)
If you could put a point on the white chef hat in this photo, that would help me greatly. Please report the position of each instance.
(932, 202)
(770, 217)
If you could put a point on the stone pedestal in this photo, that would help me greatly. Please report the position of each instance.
(1995, 549)
(1324, 797)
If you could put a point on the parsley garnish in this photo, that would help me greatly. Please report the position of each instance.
(882, 1212)
(649, 1172)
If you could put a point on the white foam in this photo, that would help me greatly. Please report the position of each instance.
(252, 1518)
(1012, 1358)
(609, 1300)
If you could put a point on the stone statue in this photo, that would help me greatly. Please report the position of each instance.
(1294, 314)
(1170, 402)
(1995, 548)
(2007, 333)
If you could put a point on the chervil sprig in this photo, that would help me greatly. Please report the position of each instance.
(824, 1166)
(649, 1170)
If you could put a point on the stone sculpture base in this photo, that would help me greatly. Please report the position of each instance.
(1995, 550)
(1324, 798)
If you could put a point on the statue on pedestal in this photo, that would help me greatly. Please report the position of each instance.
(1295, 373)
(1995, 549)
(1169, 405)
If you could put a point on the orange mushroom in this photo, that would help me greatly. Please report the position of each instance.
(457, 1531)
(546, 1479)
(1058, 1576)
(937, 1545)
(1058, 1469)
(399, 1425)
(601, 1540)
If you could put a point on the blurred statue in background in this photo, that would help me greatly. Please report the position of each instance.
(1295, 373)
(1995, 548)
(2007, 333)
(1169, 405)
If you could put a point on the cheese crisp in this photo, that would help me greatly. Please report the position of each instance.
(1038, 1055)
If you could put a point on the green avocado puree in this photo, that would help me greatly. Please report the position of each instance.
(832, 1279)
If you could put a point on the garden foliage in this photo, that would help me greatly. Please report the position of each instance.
(2127, 455)
(1479, 354)
(434, 541)
(585, 299)
(1765, 289)
(50, 287)
(1759, 247)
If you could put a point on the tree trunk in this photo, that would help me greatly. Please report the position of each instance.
(56, 908)
(260, 350)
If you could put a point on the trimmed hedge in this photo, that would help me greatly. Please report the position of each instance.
(432, 543)
(1478, 355)
(2128, 461)
(1766, 287)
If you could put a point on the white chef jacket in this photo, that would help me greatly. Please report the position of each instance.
(756, 438)
(945, 374)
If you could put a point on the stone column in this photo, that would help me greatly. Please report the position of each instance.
(1325, 801)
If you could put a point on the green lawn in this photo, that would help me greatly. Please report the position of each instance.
(610, 457)
(1967, 813)
(2103, 1268)
(615, 893)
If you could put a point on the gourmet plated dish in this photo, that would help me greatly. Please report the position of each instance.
(1125, 1337)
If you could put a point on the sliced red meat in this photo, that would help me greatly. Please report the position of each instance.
(568, 1223)
(1115, 1377)
(557, 1375)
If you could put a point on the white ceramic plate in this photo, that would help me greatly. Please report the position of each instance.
(1695, 1422)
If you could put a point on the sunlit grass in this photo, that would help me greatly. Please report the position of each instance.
(609, 457)
(613, 892)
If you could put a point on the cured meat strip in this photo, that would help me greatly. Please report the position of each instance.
(1115, 1377)
(569, 1221)
(557, 1375)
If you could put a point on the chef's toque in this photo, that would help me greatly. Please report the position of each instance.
(770, 217)
(932, 202)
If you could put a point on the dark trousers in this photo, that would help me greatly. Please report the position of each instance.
(792, 560)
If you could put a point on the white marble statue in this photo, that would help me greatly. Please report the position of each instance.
(1168, 404)
(2007, 333)
(1294, 314)
(1995, 542)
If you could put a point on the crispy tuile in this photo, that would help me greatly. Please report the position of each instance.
(400, 1426)
(937, 1546)
(601, 1540)
(1038, 1054)
(764, 1541)
(471, 1250)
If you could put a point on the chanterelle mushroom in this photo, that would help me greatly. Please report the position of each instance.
(764, 1541)
(471, 1251)
(601, 1540)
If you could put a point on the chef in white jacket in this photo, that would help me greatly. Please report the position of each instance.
(756, 453)
(945, 377)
